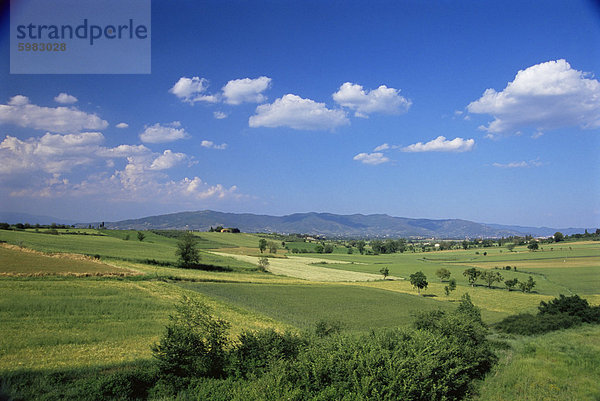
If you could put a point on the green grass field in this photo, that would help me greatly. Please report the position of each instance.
(558, 366)
(67, 312)
(302, 305)
(15, 262)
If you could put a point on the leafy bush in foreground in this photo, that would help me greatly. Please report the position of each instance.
(193, 343)
(437, 361)
(256, 352)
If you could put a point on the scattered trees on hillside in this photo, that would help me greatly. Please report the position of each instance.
(419, 281)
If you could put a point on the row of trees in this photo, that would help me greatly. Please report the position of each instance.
(489, 277)
(419, 281)
(24, 226)
(263, 244)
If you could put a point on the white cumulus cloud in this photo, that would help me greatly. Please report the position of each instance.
(51, 153)
(191, 90)
(381, 147)
(364, 102)
(544, 96)
(158, 133)
(219, 115)
(64, 98)
(441, 144)
(167, 160)
(297, 113)
(521, 164)
(246, 90)
(212, 145)
(123, 151)
(122, 125)
(19, 111)
(371, 158)
(51, 165)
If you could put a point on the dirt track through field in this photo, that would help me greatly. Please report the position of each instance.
(301, 267)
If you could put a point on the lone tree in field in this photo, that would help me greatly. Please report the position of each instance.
(262, 245)
(490, 277)
(187, 251)
(419, 281)
(450, 287)
(272, 247)
(510, 246)
(443, 273)
(472, 275)
(141, 236)
(533, 246)
(558, 236)
(385, 272)
(263, 263)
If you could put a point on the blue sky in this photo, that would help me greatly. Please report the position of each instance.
(480, 110)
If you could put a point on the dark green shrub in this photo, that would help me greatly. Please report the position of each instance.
(528, 324)
(193, 343)
(126, 385)
(256, 351)
(324, 328)
(560, 313)
(573, 305)
(386, 365)
(438, 361)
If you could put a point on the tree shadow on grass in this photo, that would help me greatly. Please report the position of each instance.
(209, 268)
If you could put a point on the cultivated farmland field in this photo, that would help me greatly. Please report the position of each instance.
(62, 311)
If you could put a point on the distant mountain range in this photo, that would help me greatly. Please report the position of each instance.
(333, 225)
(14, 218)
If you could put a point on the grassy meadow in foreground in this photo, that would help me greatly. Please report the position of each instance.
(55, 319)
